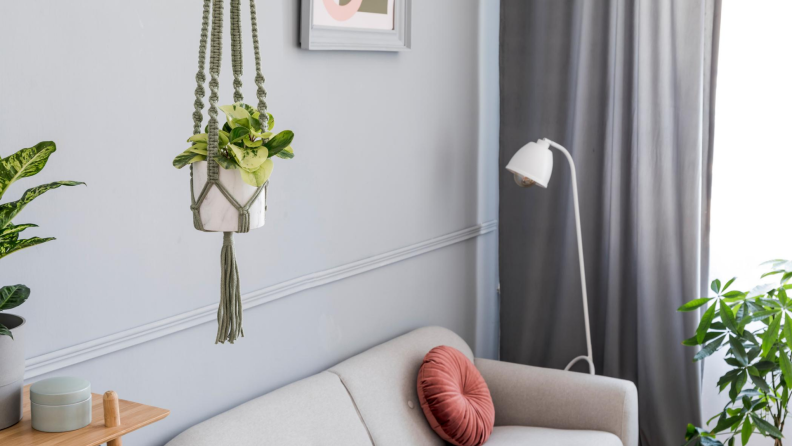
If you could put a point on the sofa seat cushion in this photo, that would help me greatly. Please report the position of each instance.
(540, 436)
(316, 411)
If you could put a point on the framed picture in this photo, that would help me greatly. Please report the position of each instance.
(362, 25)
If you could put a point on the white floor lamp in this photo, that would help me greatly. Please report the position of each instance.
(533, 164)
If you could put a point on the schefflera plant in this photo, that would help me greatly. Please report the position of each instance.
(242, 145)
(755, 328)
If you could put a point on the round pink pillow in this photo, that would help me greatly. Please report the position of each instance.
(454, 397)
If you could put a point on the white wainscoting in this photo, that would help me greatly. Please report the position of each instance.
(65, 357)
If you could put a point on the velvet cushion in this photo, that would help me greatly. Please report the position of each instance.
(455, 398)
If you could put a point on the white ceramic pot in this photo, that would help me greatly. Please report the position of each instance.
(12, 370)
(217, 213)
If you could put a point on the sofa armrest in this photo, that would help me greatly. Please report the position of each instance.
(538, 397)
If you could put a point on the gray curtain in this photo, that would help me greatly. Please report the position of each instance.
(628, 88)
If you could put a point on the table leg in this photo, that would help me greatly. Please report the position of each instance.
(112, 414)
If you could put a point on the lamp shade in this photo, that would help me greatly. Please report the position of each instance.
(532, 164)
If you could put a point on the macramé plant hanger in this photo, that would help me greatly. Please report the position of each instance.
(229, 313)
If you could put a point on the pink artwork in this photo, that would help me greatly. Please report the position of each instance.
(342, 13)
(360, 14)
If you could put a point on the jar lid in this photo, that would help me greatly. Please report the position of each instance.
(60, 391)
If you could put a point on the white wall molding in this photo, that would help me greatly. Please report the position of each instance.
(65, 357)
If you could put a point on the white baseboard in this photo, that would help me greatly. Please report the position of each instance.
(65, 357)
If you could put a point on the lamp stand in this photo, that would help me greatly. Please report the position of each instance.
(589, 357)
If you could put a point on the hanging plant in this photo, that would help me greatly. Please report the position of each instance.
(243, 145)
(230, 165)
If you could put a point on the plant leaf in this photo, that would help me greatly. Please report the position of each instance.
(738, 351)
(766, 427)
(4, 331)
(726, 287)
(737, 385)
(225, 162)
(728, 318)
(13, 230)
(235, 112)
(201, 137)
(25, 163)
(760, 383)
(287, 153)
(238, 133)
(187, 157)
(770, 335)
(12, 296)
(772, 273)
(695, 303)
(691, 342)
(16, 245)
(786, 367)
(279, 142)
(9, 210)
(253, 144)
(250, 160)
(715, 286)
(709, 349)
(198, 149)
(725, 423)
(260, 176)
(747, 430)
(706, 321)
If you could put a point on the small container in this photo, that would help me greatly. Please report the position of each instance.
(60, 404)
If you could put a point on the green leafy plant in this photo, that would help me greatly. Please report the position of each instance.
(242, 145)
(756, 330)
(25, 163)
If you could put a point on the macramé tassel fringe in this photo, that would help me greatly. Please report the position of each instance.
(229, 313)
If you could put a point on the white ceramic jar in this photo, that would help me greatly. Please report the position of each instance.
(217, 214)
(60, 404)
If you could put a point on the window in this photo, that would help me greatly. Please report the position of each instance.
(752, 171)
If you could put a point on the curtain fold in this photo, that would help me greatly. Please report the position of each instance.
(628, 88)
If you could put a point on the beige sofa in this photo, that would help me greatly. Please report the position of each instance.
(371, 400)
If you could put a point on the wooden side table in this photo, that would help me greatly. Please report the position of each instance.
(133, 417)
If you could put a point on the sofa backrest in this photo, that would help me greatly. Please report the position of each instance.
(369, 399)
(383, 381)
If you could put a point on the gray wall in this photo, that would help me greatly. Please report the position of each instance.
(392, 150)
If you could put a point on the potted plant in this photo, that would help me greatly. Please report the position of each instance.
(756, 330)
(245, 153)
(25, 163)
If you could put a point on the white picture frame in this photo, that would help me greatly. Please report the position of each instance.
(321, 37)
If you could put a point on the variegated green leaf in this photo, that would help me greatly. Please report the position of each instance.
(187, 157)
(260, 176)
(253, 144)
(25, 163)
(201, 137)
(9, 210)
(12, 296)
(238, 133)
(11, 232)
(287, 153)
(4, 331)
(198, 148)
(279, 142)
(9, 247)
(225, 162)
(250, 160)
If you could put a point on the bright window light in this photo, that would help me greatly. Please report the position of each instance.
(752, 180)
